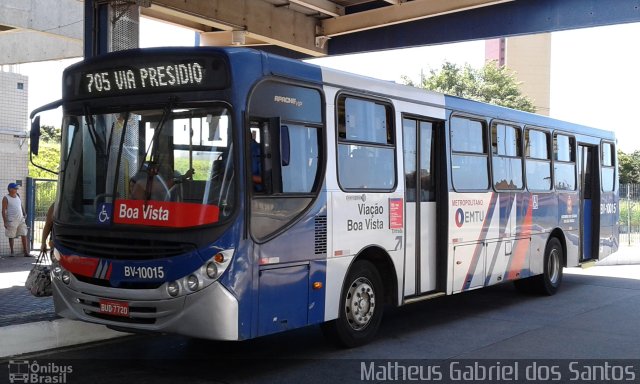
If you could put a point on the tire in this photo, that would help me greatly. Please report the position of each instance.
(549, 282)
(551, 279)
(361, 307)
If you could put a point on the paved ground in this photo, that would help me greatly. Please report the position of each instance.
(584, 334)
(17, 305)
(29, 324)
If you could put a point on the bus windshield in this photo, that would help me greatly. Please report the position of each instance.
(168, 166)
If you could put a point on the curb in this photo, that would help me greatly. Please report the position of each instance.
(44, 335)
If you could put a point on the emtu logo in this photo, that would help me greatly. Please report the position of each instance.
(459, 217)
(468, 217)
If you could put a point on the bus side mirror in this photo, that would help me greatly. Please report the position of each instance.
(35, 135)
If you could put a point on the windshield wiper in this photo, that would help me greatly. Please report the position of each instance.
(165, 115)
(152, 169)
(93, 134)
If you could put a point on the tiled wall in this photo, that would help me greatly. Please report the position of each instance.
(14, 148)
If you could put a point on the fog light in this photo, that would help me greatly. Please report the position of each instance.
(57, 270)
(173, 288)
(66, 278)
(212, 270)
(192, 282)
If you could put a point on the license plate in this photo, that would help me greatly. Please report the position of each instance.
(114, 308)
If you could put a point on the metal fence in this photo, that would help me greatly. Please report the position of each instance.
(42, 193)
(629, 214)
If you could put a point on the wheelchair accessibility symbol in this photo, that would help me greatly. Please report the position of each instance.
(104, 212)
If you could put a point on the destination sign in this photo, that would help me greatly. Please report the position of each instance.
(161, 76)
(145, 74)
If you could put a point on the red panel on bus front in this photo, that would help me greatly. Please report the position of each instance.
(164, 213)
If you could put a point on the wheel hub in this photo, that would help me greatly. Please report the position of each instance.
(360, 303)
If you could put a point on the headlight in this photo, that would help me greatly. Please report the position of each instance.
(192, 282)
(57, 271)
(202, 277)
(212, 270)
(173, 288)
(66, 277)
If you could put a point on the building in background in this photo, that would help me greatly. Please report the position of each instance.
(14, 144)
(530, 58)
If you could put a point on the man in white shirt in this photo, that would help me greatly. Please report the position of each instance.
(13, 216)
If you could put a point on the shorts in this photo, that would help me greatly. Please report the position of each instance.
(20, 229)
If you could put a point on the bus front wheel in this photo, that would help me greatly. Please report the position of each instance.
(361, 307)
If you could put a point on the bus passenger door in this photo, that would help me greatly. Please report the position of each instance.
(589, 191)
(420, 196)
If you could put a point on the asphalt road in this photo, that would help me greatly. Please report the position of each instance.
(592, 317)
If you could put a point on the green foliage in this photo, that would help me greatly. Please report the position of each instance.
(48, 157)
(629, 167)
(490, 84)
(201, 167)
(629, 212)
(50, 134)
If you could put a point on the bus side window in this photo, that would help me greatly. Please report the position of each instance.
(469, 157)
(538, 161)
(608, 167)
(366, 149)
(506, 144)
(564, 155)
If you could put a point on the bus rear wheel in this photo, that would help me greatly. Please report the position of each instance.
(549, 282)
(361, 307)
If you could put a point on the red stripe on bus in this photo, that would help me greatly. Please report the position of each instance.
(83, 266)
(522, 245)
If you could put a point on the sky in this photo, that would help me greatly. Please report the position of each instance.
(595, 79)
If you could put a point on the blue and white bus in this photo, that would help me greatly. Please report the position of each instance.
(227, 193)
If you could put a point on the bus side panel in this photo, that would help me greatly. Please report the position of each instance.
(517, 245)
(545, 213)
(473, 219)
(506, 253)
(283, 299)
(568, 222)
(286, 264)
(360, 221)
(609, 231)
(337, 268)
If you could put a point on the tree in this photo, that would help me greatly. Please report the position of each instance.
(629, 167)
(48, 157)
(50, 134)
(490, 84)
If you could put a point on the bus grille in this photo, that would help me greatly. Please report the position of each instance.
(321, 235)
(125, 249)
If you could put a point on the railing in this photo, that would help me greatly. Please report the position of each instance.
(42, 193)
(629, 214)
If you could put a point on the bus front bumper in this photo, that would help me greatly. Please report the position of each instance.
(211, 313)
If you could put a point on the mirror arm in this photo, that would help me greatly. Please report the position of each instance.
(45, 107)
